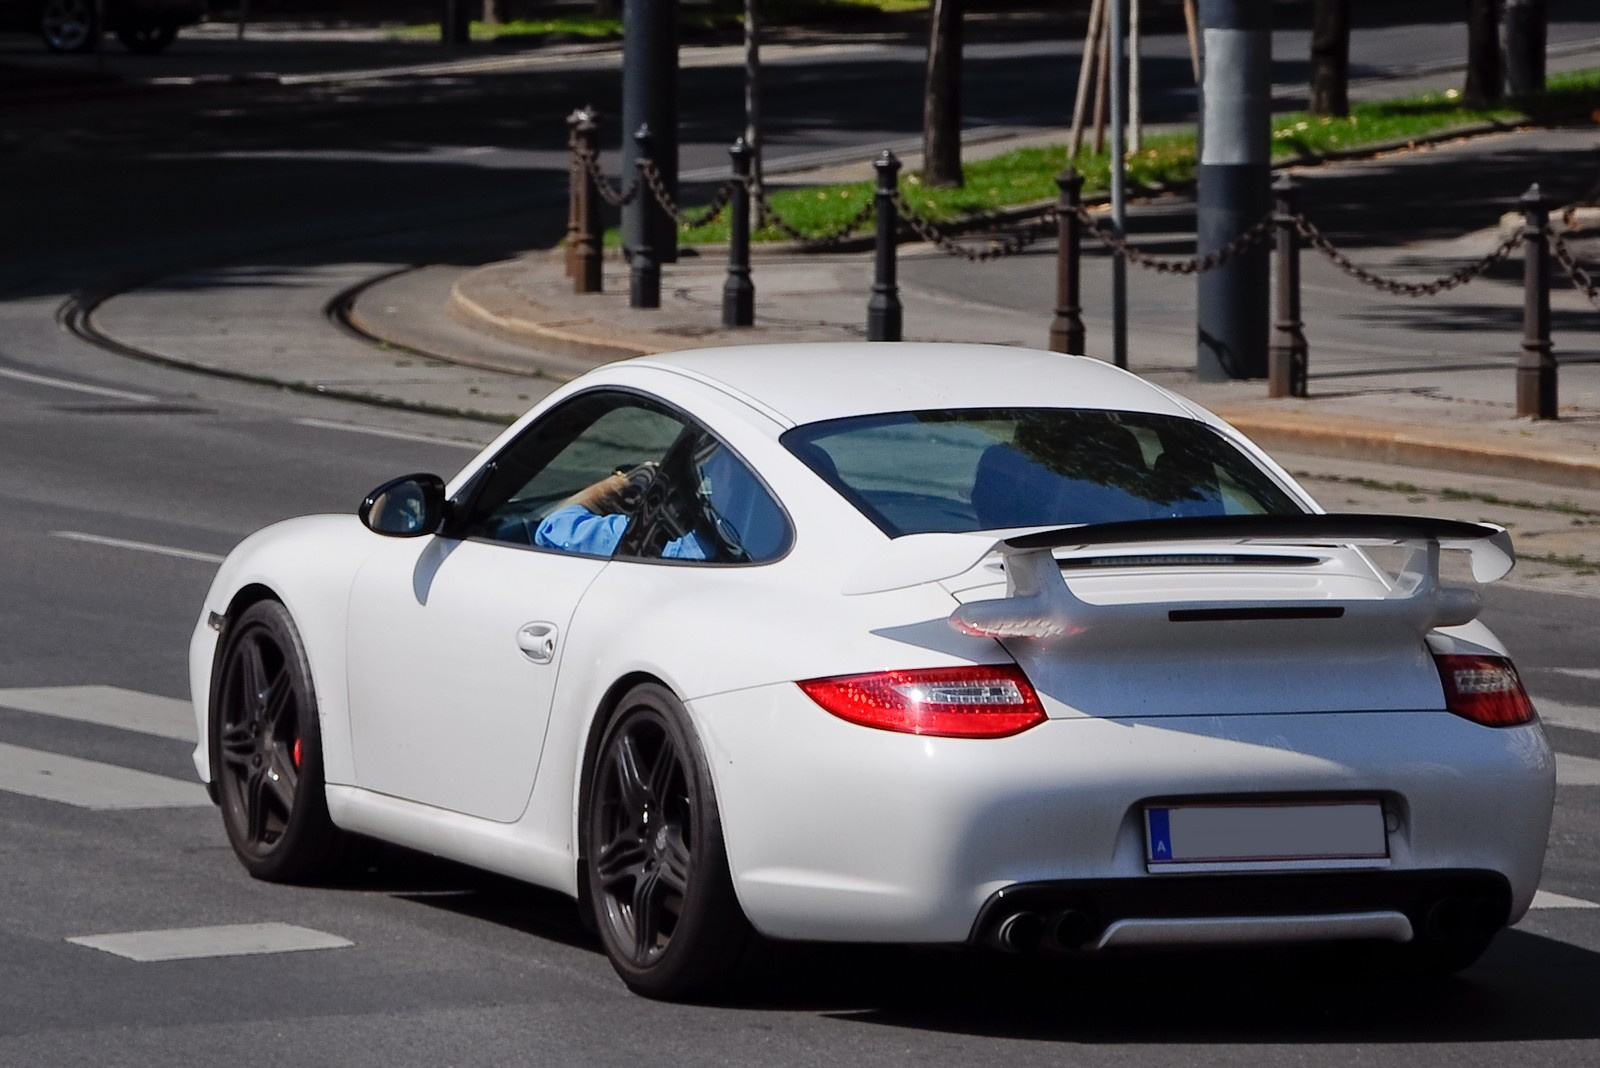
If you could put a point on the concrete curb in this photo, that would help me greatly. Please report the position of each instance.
(558, 334)
(1409, 444)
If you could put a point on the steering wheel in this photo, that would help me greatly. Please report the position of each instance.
(639, 479)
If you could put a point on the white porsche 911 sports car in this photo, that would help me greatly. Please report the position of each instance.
(885, 643)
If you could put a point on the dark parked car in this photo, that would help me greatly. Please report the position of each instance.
(68, 25)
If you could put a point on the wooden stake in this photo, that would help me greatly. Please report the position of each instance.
(1102, 94)
(1091, 53)
(1191, 20)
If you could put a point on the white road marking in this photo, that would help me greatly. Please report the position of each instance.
(1544, 899)
(75, 387)
(189, 943)
(138, 546)
(385, 432)
(91, 784)
(1577, 771)
(108, 706)
(1580, 673)
(1562, 714)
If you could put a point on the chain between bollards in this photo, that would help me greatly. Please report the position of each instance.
(1066, 328)
(644, 279)
(1536, 366)
(883, 309)
(738, 292)
(1287, 356)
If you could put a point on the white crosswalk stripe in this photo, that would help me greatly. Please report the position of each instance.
(1565, 714)
(1545, 899)
(91, 784)
(108, 706)
(189, 943)
(1577, 770)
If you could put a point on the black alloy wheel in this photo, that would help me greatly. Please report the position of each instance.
(658, 872)
(67, 25)
(266, 750)
(147, 40)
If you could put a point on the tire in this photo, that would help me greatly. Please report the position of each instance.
(147, 40)
(67, 25)
(266, 751)
(657, 868)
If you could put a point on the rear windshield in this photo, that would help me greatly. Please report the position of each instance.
(955, 470)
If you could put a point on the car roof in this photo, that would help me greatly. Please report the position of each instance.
(809, 383)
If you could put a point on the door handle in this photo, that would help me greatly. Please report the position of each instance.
(538, 642)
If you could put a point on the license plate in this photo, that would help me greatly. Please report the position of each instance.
(1255, 833)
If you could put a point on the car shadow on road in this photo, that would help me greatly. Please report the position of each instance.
(1527, 987)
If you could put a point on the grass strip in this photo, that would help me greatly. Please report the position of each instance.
(1027, 175)
(726, 15)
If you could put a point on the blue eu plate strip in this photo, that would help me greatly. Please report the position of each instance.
(1160, 834)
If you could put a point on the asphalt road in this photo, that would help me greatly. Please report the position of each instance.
(122, 482)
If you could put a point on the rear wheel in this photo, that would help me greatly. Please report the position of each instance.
(147, 40)
(266, 750)
(657, 868)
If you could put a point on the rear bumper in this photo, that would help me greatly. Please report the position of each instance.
(1067, 916)
(843, 833)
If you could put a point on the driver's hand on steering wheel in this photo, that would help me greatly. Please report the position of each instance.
(616, 493)
(604, 497)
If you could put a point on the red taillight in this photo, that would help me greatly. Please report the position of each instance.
(1484, 689)
(963, 702)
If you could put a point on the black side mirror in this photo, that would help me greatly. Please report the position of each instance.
(407, 507)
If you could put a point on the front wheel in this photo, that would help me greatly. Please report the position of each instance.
(266, 751)
(67, 25)
(657, 868)
(147, 40)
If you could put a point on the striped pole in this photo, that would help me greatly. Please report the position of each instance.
(1235, 186)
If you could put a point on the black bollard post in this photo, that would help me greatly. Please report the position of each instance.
(456, 25)
(1287, 357)
(1066, 329)
(585, 254)
(883, 309)
(1536, 366)
(644, 289)
(738, 292)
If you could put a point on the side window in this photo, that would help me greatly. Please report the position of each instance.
(704, 504)
(573, 478)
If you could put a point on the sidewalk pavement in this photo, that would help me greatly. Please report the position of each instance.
(1428, 383)
(1411, 405)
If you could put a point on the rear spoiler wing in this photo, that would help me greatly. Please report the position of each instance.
(1039, 603)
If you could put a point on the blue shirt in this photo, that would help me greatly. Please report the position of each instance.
(576, 529)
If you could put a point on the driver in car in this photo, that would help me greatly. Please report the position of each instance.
(593, 520)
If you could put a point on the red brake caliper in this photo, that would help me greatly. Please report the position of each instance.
(296, 754)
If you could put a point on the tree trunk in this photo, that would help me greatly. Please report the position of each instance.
(941, 115)
(1485, 76)
(1330, 58)
(491, 12)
